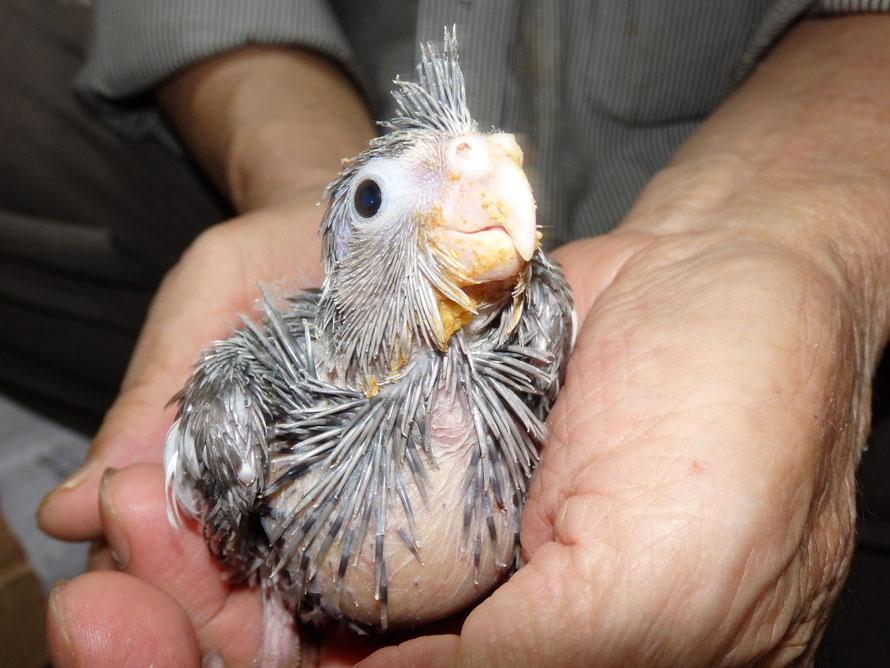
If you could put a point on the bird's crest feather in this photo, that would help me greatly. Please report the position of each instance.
(437, 100)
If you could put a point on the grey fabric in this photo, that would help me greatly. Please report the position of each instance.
(139, 43)
(602, 92)
(89, 222)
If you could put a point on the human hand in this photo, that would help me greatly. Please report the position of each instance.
(198, 301)
(695, 505)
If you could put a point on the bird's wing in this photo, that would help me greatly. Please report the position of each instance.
(216, 453)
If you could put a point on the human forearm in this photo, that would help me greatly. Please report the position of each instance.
(805, 136)
(266, 123)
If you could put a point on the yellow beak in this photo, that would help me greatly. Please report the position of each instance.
(488, 212)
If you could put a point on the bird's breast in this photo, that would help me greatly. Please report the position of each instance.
(441, 577)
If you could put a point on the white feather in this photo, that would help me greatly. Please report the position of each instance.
(179, 453)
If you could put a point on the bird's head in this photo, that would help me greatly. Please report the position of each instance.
(432, 224)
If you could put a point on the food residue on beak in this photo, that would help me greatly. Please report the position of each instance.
(484, 220)
(453, 316)
(487, 207)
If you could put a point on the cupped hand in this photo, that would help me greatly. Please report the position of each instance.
(169, 601)
(198, 302)
(695, 505)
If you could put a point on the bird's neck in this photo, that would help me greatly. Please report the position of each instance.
(373, 321)
(391, 296)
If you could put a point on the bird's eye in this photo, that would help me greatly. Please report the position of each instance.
(368, 198)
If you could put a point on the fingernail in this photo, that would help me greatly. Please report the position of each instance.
(118, 544)
(57, 618)
(75, 479)
(99, 556)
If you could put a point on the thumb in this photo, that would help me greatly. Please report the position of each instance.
(132, 431)
(195, 304)
(590, 265)
(86, 614)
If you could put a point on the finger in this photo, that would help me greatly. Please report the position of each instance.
(432, 651)
(133, 431)
(113, 619)
(525, 622)
(226, 619)
(183, 317)
(100, 557)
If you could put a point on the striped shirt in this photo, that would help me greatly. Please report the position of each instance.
(600, 92)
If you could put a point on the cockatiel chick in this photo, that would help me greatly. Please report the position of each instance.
(365, 451)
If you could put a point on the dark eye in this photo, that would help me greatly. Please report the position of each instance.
(368, 198)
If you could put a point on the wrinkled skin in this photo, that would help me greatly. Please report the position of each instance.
(692, 489)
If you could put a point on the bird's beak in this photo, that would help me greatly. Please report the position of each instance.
(488, 212)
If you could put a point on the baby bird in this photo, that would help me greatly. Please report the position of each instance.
(364, 453)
